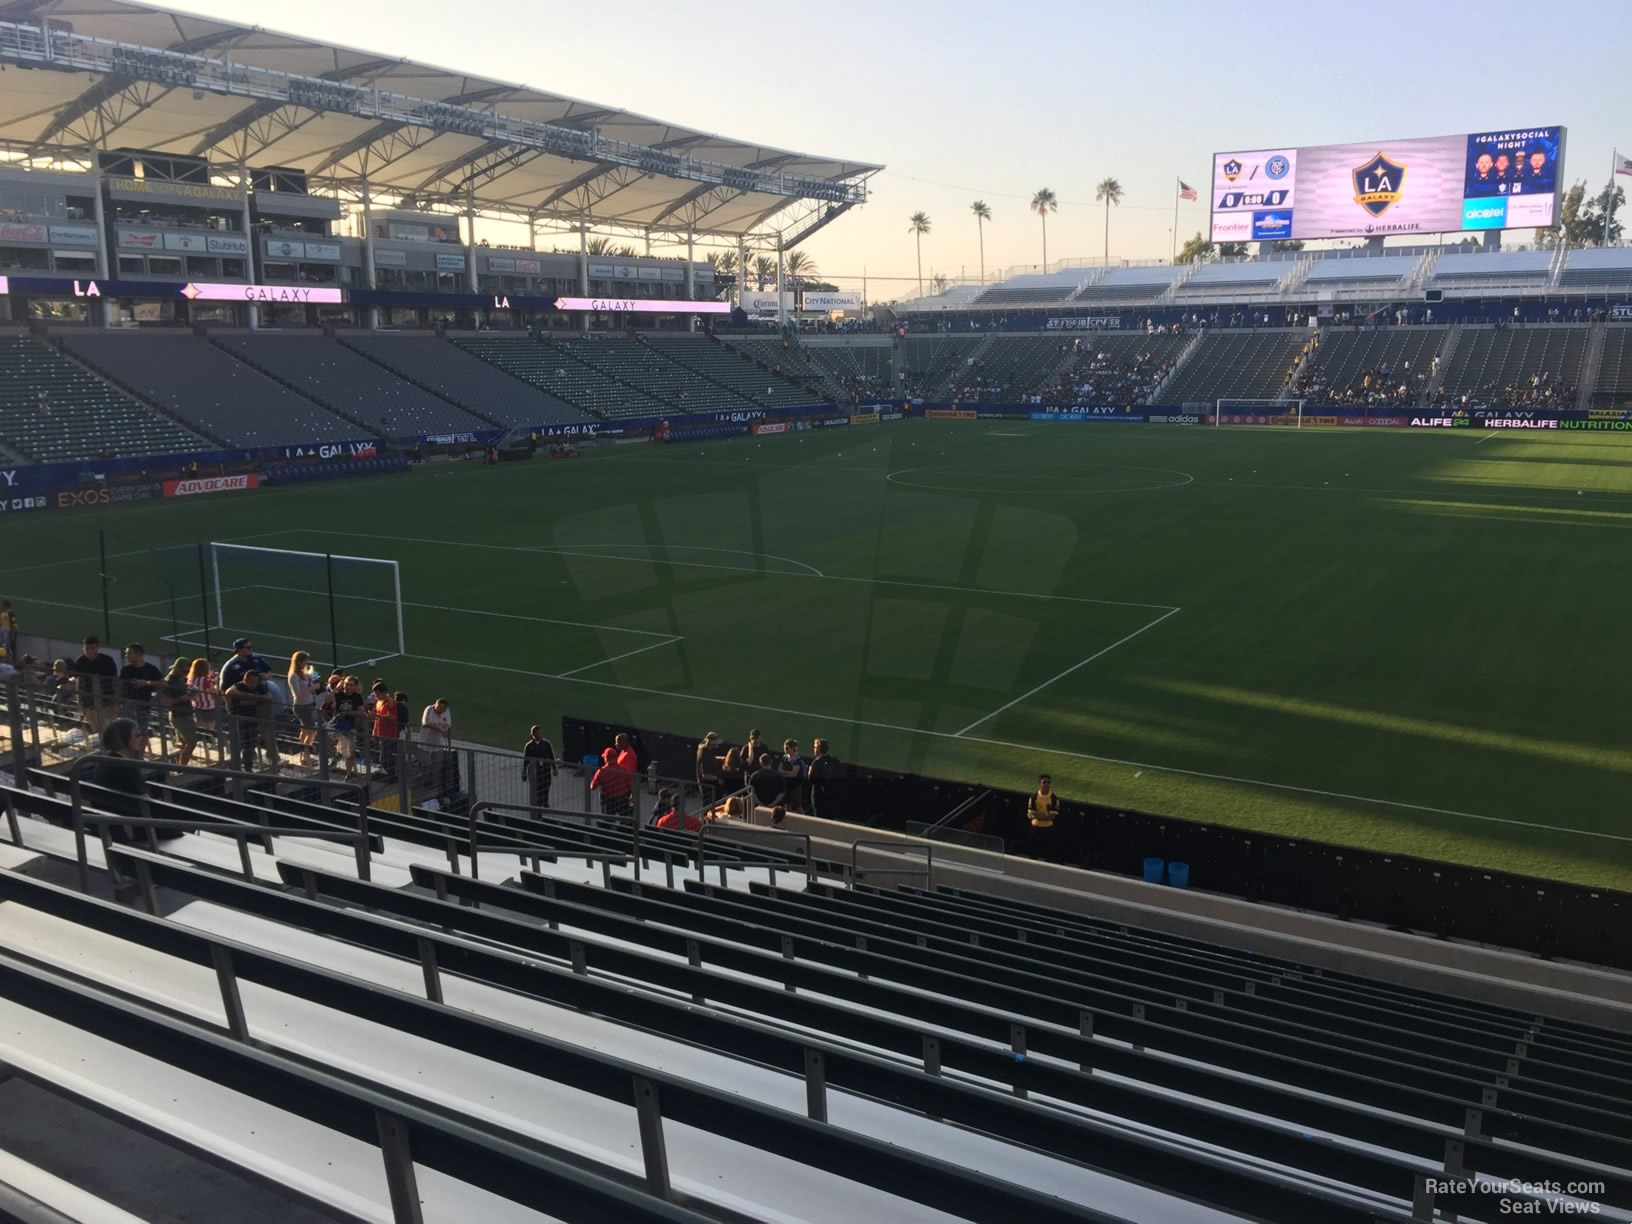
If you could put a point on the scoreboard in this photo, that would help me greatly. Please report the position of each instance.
(1498, 179)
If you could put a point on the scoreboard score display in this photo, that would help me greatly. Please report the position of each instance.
(1423, 185)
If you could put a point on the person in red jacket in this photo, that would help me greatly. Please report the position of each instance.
(672, 816)
(615, 779)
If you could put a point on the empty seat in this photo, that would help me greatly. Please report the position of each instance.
(445, 368)
(52, 408)
(201, 382)
(345, 380)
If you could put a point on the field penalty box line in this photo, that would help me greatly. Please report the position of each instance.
(1058, 676)
(1035, 749)
(815, 576)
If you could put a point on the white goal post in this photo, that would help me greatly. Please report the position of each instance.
(1284, 414)
(295, 600)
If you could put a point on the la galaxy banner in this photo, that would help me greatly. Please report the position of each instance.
(1495, 179)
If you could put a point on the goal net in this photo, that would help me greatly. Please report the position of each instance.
(1287, 414)
(343, 611)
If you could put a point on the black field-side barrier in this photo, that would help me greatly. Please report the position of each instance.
(1547, 918)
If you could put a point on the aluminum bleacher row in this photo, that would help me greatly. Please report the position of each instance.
(789, 360)
(638, 365)
(1606, 268)
(1494, 360)
(931, 363)
(1011, 368)
(1236, 365)
(1346, 355)
(867, 367)
(728, 368)
(1615, 366)
(447, 370)
(52, 408)
(345, 381)
(203, 384)
(529, 1015)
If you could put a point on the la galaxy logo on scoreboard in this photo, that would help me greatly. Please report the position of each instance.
(1232, 169)
(1379, 184)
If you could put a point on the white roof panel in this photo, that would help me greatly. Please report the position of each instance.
(52, 109)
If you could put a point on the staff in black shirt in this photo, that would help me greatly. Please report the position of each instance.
(139, 681)
(769, 786)
(98, 678)
(824, 776)
(538, 767)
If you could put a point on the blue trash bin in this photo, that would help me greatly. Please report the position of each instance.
(1153, 870)
(1178, 875)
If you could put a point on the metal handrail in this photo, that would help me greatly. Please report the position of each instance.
(76, 800)
(959, 810)
(927, 847)
(490, 805)
(702, 844)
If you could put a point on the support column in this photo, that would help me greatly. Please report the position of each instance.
(781, 303)
(253, 314)
(369, 278)
(101, 311)
(691, 279)
(583, 267)
(742, 270)
(470, 239)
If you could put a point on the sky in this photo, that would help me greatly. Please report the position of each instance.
(962, 100)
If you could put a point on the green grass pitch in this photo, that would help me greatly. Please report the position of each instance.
(1414, 642)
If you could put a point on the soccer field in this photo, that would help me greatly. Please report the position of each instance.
(1407, 641)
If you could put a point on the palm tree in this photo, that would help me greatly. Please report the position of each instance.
(1110, 192)
(724, 263)
(800, 266)
(1043, 203)
(983, 214)
(764, 270)
(918, 226)
(937, 283)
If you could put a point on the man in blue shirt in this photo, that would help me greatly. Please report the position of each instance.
(244, 660)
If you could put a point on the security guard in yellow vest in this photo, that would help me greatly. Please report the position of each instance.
(1042, 812)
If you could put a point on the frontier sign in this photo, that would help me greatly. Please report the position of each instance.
(640, 306)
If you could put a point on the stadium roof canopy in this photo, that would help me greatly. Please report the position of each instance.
(107, 74)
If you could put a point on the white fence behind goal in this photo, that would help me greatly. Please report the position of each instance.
(1287, 414)
(344, 611)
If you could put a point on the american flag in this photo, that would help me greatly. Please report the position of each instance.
(1186, 192)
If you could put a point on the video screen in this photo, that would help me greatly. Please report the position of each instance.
(1423, 185)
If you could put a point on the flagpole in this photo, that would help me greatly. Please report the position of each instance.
(1609, 192)
(1174, 253)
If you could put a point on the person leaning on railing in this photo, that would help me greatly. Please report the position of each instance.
(709, 762)
(178, 702)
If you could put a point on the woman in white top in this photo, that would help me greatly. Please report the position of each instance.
(303, 685)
